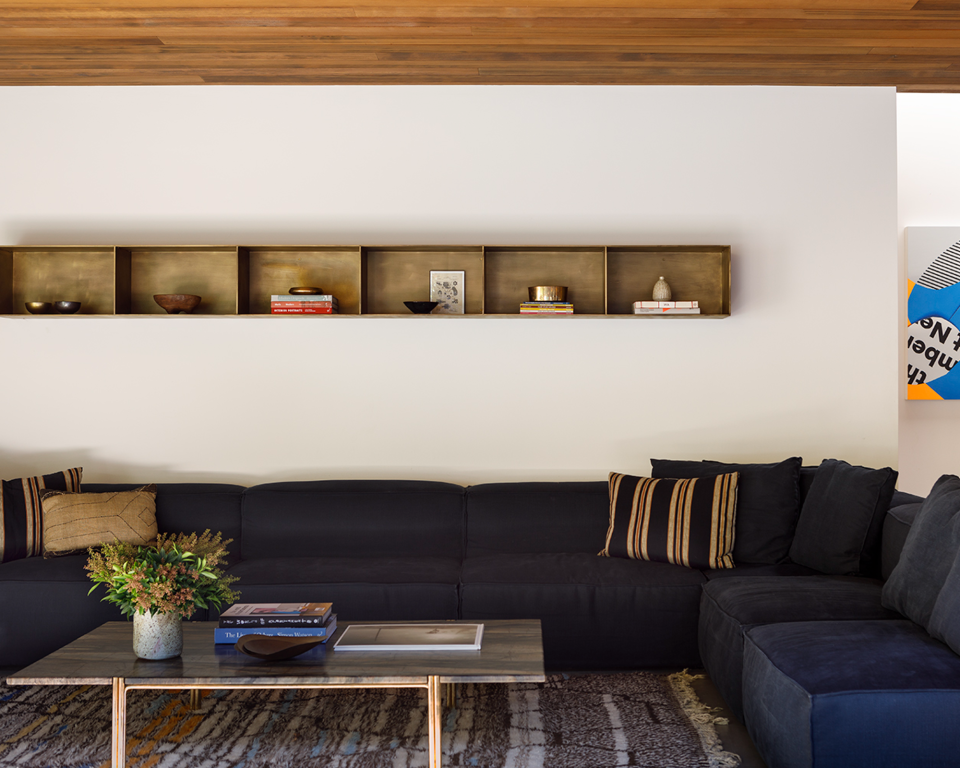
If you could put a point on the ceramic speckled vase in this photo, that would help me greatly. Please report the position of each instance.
(661, 290)
(157, 635)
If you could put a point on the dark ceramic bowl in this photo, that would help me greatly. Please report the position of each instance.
(175, 303)
(305, 290)
(421, 307)
(66, 307)
(39, 307)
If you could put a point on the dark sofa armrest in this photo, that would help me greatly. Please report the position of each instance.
(896, 526)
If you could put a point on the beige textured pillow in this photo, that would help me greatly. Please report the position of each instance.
(74, 521)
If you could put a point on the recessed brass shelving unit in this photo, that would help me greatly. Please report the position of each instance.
(238, 280)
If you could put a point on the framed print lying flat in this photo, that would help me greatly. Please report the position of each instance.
(410, 637)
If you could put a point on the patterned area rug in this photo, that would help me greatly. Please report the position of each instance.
(589, 721)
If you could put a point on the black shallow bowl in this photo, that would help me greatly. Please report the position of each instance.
(421, 307)
(66, 307)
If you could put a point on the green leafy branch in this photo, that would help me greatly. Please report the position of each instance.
(180, 573)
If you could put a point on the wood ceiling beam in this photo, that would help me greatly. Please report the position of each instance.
(913, 45)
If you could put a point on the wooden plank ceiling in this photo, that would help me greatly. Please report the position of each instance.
(912, 45)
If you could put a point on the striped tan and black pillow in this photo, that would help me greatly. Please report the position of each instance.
(21, 514)
(684, 522)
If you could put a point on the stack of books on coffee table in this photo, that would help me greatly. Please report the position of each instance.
(276, 619)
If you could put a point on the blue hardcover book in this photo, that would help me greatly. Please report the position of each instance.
(232, 634)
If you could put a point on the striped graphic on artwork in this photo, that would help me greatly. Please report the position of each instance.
(944, 271)
(684, 522)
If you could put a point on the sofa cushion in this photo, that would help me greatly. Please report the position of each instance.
(21, 514)
(730, 606)
(842, 518)
(684, 522)
(754, 571)
(896, 526)
(945, 619)
(595, 612)
(536, 517)
(67, 568)
(851, 694)
(193, 508)
(46, 605)
(807, 474)
(768, 503)
(392, 588)
(353, 518)
(73, 522)
(928, 553)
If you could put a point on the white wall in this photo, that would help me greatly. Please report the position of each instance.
(929, 165)
(800, 181)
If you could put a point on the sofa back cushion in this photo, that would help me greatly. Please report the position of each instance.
(353, 518)
(928, 554)
(945, 619)
(505, 518)
(841, 519)
(192, 507)
(768, 504)
(896, 526)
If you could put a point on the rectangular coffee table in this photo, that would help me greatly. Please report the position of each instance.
(512, 651)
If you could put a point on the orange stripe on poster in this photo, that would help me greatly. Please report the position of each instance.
(921, 392)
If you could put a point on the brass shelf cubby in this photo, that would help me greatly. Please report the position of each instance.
(373, 281)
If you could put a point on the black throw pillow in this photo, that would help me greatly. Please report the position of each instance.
(842, 518)
(928, 554)
(768, 504)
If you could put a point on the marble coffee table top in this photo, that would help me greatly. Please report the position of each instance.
(512, 651)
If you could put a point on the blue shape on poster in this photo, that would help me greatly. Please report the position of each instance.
(927, 302)
(948, 387)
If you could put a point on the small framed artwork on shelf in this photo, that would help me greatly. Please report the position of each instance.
(446, 288)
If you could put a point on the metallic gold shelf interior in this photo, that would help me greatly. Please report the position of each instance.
(236, 280)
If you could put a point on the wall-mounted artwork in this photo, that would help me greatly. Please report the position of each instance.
(933, 313)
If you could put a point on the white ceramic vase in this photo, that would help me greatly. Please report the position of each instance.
(157, 635)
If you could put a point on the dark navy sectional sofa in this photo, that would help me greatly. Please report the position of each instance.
(819, 670)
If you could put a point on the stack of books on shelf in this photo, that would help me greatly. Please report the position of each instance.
(666, 308)
(546, 308)
(315, 304)
(279, 619)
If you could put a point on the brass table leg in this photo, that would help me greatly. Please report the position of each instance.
(118, 741)
(434, 711)
(195, 696)
(451, 695)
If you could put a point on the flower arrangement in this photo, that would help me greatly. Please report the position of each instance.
(178, 574)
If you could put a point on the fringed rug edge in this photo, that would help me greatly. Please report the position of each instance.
(703, 719)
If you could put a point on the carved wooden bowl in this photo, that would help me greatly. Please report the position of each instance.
(175, 303)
